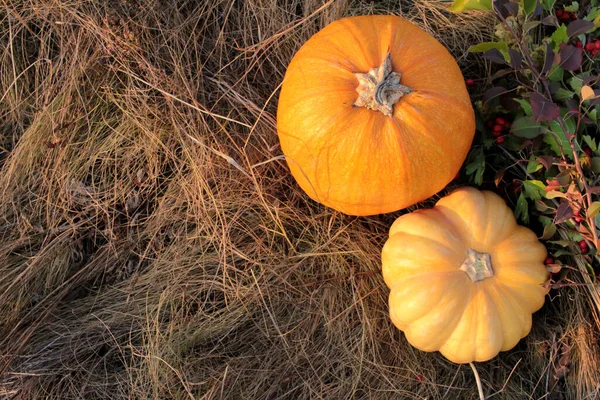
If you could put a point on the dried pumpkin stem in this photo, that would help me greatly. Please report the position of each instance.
(478, 382)
(477, 265)
(380, 88)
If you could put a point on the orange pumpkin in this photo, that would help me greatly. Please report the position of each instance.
(373, 115)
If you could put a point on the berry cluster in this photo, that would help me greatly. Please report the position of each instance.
(564, 15)
(498, 126)
(592, 47)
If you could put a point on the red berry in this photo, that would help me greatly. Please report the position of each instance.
(578, 218)
(588, 151)
(583, 246)
(497, 128)
(496, 134)
(573, 16)
(590, 46)
(597, 44)
(595, 52)
(559, 13)
(500, 140)
(579, 44)
(470, 82)
(516, 186)
(549, 260)
(500, 121)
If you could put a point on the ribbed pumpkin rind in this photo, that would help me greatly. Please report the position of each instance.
(437, 305)
(357, 160)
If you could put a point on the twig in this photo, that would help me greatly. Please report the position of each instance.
(478, 380)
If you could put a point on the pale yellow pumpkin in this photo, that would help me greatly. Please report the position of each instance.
(464, 277)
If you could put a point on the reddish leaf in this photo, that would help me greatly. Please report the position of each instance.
(500, 73)
(498, 177)
(494, 56)
(549, 60)
(550, 20)
(492, 93)
(570, 57)
(515, 58)
(512, 8)
(563, 213)
(543, 109)
(591, 80)
(579, 27)
(505, 8)
(595, 100)
(564, 177)
(572, 104)
(546, 161)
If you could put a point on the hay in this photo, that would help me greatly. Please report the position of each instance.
(153, 244)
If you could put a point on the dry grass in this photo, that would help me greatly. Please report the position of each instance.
(153, 245)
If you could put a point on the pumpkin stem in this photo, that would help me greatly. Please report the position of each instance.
(380, 88)
(477, 265)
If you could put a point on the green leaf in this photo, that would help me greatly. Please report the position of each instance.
(590, 142)
(548, 4)
(563, 252)
(576, 84)
(595, 164)
(465, 5)
(502, 47)
(542, 207)
(525, 106)
(563, 243)
(593, 115)
(563, 94)
(556, 74)
(593, 209)
(529, 25)
(591, 271)
(534, 190)
(559, 36)
(477, 166)
(554, 194)
(521, 211)
(529, 6)
(557, 139)
(549, 231)
(594, 12)
(558, 143)
(526, 127)
(533, 166)
(574, 7)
